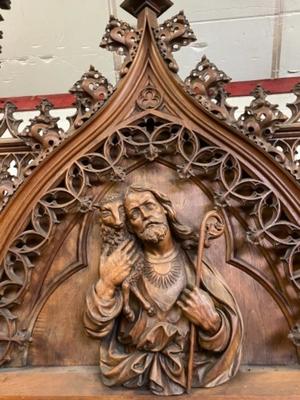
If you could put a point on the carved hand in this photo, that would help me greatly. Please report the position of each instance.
(115, 268)
(199, 308)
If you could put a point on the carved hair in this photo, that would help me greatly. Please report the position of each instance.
(108, 199)
(182, 232)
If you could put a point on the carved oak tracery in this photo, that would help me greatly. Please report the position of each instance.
(150, 139)
(151, 135)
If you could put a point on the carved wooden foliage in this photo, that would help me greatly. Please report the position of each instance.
(91, 92)
(206, 83)
(123, 39)
(261, 121)
(171, 36)
(14, 168)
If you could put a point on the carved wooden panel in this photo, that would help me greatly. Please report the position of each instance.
(67, 276)
(72, 204)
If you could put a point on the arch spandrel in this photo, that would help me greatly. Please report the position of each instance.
(153, 117)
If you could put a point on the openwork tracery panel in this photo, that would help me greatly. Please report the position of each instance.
(151, 138)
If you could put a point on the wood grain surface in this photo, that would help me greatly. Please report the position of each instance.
(83, 383)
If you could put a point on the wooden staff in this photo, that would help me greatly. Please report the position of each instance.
(212, 227)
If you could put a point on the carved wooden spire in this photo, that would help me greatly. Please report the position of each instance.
(134, 7)
(5, 4)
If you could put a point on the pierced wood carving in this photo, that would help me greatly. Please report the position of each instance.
(155, 302)
(13, 170)
(123, 39)
(222, 172)
(261, 118)
(149, 98)
(206, 84)
(171, 36)
(43, 133)
(91, 92)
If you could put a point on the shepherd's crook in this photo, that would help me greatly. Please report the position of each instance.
(211, 227)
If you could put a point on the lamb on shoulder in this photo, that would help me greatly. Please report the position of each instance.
(114, 233)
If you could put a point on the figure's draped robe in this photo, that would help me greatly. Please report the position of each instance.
(154, 350)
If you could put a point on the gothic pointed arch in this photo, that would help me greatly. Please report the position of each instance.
(151, 120)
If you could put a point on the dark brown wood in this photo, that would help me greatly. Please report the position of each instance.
(55, 282)
(162, 134)
(5, 4)
(161, 303)
(134, 7)
(211, 227)
(83, 383)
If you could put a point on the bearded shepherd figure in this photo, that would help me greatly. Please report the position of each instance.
(151, 351)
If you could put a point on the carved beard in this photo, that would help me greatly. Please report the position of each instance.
(154, 233)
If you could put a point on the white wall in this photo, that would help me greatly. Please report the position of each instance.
(49, 44)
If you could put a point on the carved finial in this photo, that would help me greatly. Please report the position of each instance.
(171, 36)
(261, 118)
(91, 92)
(123, 39)
(43, 132)
(206, 83)
(134, 7)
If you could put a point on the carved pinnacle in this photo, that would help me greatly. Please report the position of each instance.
(134, 7)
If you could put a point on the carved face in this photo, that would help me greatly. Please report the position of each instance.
(112, 214)
(146, 216)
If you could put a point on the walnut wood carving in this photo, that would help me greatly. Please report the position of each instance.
(56, 184)
(146, 344)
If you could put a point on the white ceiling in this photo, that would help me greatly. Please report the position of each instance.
(48, 44)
